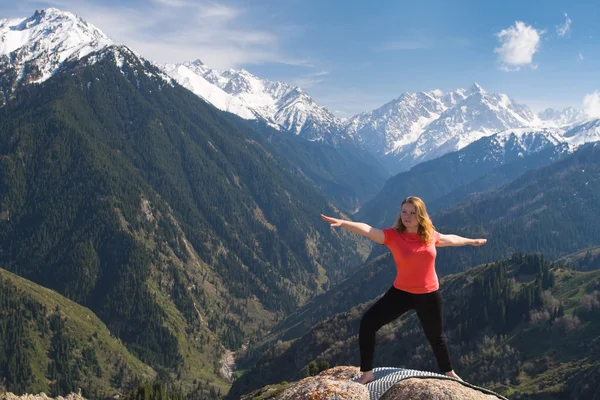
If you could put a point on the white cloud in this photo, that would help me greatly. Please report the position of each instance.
(518, 44)
(565, 28)
(173, 31)
(591, 104)
(580, 56)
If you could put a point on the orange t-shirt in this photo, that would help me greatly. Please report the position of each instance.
(415, 261)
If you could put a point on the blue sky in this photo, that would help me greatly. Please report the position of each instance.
(353, 56)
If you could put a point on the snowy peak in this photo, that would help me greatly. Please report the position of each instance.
(584, 133)
(526, 141)
(475, 88)
(512, 144)
(453, 98)
(186, 75)
(242, 93)
(50, 31)
(33, 49)
(501, 109)
(559, 118)
(478, 115)
(47, 39)
(525, 135)
(425, 125)
(197, 63)
(396, 123)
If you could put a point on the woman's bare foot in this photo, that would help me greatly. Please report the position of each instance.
(366, 377)
(452, 374)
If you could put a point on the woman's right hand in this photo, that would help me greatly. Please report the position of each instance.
(332, 221)
(376, 235)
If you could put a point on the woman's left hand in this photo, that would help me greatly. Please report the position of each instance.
(478, 242)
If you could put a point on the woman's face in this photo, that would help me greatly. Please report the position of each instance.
(409, 216)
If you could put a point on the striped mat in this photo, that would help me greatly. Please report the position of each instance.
(387, 377)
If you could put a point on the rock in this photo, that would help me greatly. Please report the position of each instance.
(336, 384)
(341, 373)
(433, 389)
(325, 388)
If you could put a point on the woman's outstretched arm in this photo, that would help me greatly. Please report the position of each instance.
(361, 228)
(455, 240)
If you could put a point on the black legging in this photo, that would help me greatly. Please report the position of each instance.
(391, 306)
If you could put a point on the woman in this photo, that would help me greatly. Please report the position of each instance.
(412, 242)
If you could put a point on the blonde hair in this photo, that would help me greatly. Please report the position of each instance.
(426, 227)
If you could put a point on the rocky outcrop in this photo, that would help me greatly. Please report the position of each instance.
(324, 388)
(332, 384)
(336, 384)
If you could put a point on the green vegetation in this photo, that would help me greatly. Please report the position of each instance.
(345, 174)
(314, 369)
(157, 390)
(52, 345)
(585, 260)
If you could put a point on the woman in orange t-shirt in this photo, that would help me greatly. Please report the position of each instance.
(413, 242)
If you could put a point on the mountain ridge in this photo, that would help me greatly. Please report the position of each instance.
(410, 129)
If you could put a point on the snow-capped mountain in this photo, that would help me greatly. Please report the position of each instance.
(583, 133)
(408, 130)
(568, 116)
(250, 97)
(517, 143)
(422, 126)
(479, 114)
(33, 48)
(411, 129)
(188, 78)
(397, 123)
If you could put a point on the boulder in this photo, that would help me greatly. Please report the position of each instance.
(390, 384)
(433, 389)
(325, 388)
